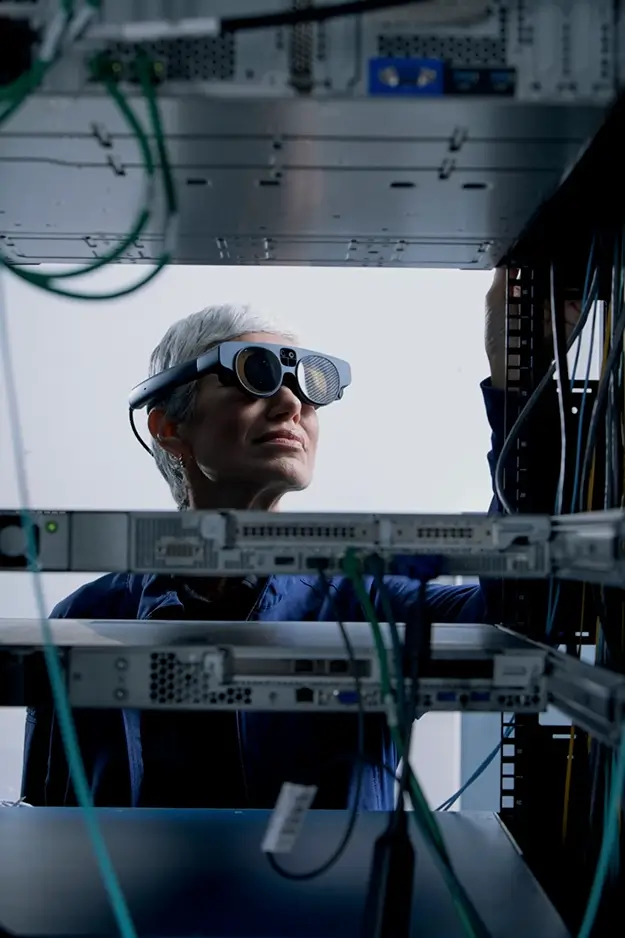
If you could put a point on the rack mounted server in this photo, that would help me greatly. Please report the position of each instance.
(300, 667)
(588, 547)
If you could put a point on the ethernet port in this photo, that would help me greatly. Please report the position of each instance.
(304, 695)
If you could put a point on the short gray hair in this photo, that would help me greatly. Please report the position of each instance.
(183, 341)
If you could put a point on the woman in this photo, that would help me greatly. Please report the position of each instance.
(220, 448)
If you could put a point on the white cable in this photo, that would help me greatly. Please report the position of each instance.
(80, 22)
(158, 30)
(53, 38)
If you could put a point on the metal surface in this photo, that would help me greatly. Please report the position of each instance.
(583, 547)
(277, 667)
(563, 51)
(293, 667)
(230, 543)
(349, 175)
(593, 697)
(187, 873)
(374, 183)
(523, 604)
(559, 52)
(537, 752)
(449, 642)
(598, 545)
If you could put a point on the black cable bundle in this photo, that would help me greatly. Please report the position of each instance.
(388, 906)
(361, 762)
(311, 14)
(389, 895)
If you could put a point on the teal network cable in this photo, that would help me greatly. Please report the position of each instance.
(49, 282)
(608, 843)
(55, 672)
(65, 26)
(423, 816)
(450, 802)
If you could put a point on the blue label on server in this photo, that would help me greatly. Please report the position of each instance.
(418, 77)
(412, 77)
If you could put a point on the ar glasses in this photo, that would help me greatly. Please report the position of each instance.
(258, 369)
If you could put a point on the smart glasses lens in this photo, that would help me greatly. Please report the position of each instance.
(259, 371)
(319, 380)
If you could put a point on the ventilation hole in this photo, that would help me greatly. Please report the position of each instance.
(201, 59)
(268, 183)
(459, 51)
(398, 184)
(474, 185)
(197, 181)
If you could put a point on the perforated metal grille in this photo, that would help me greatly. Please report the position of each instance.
(181, 682)
(202, 59)
(451, 534)
(161, 542)
(301, 50)
(461, 51)
(300, 531)
(493, 565)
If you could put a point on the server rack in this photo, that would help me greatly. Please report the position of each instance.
(546, 793)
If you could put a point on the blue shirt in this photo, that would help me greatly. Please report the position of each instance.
(232, 759)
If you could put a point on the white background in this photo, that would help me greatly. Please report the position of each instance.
(409, 435)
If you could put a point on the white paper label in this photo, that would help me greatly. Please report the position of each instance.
(288, 817)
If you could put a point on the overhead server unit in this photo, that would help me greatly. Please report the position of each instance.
(424, 135)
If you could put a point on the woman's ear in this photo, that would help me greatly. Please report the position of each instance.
(166, 432)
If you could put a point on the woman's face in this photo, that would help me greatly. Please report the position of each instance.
(259, 448)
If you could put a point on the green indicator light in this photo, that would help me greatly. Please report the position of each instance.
(52, 527)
